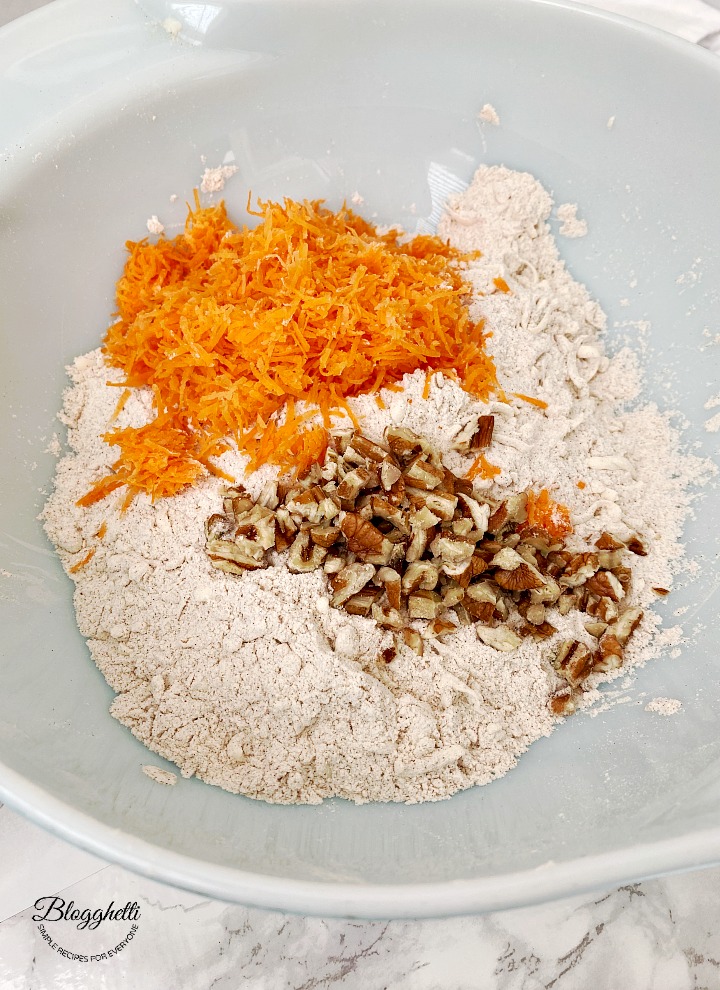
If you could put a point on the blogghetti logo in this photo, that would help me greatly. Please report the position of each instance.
(86, 934)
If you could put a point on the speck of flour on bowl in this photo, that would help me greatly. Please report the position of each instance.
(254, 684)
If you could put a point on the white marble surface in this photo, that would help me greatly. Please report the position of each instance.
(659, 935)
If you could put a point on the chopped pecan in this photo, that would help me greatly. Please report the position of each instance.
(403, 443)
(390, 578)
(626, 624)
(360, 534)
(562, 702)
(580, 568)
(420, 473)
(573, 661)
(420, 574)
(354, 482)
(499, 637)
(440, 628)
(424, 605)
(362, 602)
(304, 555)
(413, 639)
(607, 542)
(604, 584)
(390, 474)
(351, 579)
(521, 578)
(635, 545)
(325, 536)
(366, 448)
(482, 437)
(387, 616)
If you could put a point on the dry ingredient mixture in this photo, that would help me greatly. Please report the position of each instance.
(257, 678)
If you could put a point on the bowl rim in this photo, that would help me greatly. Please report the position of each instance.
(549, 881)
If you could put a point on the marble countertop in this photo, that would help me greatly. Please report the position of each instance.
(659, 935)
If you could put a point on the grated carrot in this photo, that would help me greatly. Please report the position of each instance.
(426, 386)
(533, 402)
(380, 402)
(102, 531)
(482, 467)
(501, 284)
(229, 325)
(120, 403)
(81, 563)
(581, 484)
(545, 514)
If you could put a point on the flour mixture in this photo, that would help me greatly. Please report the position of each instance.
(253, 681)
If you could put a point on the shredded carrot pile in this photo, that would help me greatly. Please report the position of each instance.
(545, 514)
(230, 327)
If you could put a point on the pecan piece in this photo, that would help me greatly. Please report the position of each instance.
(354, 482)
(521, 578)
(347, 582)
(573, 661)
(562, 702)
(360, 534)
(413, 639)
(390, 578)
(389, 475)
(626, 624)
(388, 617)
(499, 637)
(424, 605)
(607, 542)
(420, 473)
(581, 567)
(362, 602)
(604, 584)
(420, 574)
(403, 442)
(304, 555)
(367, 449)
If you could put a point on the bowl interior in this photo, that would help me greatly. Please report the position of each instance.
(322, 100)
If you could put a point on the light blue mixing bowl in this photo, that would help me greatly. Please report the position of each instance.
(102, 116)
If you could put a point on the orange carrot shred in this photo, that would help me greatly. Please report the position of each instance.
(501, 284)
(102, 531)
(380, 402)
(482, 467)
(545, 514)
(426, 387)
(120, 403)
(533, 402)
(81, 563)
(581, 484)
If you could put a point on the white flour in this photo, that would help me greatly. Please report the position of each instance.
(570, 224)
(214, 179)
(255, 683)
(664, 706)
(154, 225)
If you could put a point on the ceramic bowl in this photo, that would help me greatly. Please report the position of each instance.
(104, 114)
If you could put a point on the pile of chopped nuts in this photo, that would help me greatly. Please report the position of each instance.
(401, 538)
